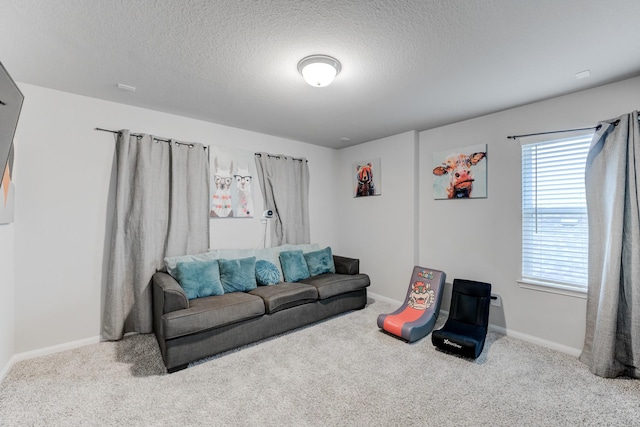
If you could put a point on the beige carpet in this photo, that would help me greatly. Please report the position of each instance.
(343, 371)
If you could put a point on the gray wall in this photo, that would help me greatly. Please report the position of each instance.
(53, 256)
(481, 239)
(65, 196)
(474, 239)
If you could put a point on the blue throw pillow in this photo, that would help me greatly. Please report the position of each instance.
(320, 262)
(294, 267)
(238, 275)
(199, 278)
(267, 273)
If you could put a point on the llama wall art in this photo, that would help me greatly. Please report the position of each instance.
(232, 174)
(244, 206)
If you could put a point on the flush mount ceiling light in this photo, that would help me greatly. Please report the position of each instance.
(319, 70)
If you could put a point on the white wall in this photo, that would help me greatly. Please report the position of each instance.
(54, 254)
(380, 230)
(64, 205)
(479, 239)
(7, 325)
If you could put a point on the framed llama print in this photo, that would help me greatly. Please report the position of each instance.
(460, 173)
(367, 178)
(232, 176)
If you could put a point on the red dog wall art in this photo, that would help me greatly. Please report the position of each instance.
(367, 178)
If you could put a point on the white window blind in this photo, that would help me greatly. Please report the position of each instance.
(555, 236)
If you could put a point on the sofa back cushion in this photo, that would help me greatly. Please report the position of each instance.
(238, 275)
(320, 262)
(199, 278)
(294, 267)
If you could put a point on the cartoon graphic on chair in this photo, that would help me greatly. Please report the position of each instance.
(426, 274)
(422, 296)
(221, 200)
(365, 186)
(244, 208)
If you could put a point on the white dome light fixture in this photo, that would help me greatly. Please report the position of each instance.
(319, 70)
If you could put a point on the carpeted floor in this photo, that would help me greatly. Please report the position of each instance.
(340, 372)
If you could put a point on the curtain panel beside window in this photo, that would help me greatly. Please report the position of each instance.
(284, 182)
(161, 209)
(612, 337)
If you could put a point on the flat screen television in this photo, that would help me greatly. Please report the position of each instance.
(10, 106)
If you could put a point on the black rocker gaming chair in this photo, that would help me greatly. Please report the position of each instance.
(465, 330)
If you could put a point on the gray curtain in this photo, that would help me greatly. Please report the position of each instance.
(284, 182)
(161, 209)
(612, 339)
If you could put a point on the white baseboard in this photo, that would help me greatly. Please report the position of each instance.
(535, 340)
(45, 351)
(383, 298)
(504, 331)
(6, 369)
(56, 348)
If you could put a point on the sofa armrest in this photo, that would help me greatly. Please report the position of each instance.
(346, 265)
(168, 294)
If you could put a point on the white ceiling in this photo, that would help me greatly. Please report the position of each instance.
(406, 65)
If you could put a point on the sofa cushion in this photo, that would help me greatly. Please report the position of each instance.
(199, 278)
(285, 295)
(269, 254)
(238, 275)
(320, 262)
(329, 285)
(294, 267)
(267, 273)
(212, 312)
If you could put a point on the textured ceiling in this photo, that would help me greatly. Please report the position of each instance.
(406, 65)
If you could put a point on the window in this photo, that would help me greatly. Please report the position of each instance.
(555, 233)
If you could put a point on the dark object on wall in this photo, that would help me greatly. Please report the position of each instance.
(465, 330)
(10, 106)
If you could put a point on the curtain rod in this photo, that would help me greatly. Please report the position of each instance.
(553, 131)
(277, 157)
(564, 130)
(138, 136)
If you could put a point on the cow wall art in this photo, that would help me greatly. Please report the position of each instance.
(460, 173)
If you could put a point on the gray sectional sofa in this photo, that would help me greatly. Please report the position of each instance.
(188, 330)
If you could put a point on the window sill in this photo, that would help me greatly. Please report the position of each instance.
(552, 288)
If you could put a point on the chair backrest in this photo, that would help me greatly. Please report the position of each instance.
(470, 302)
(434, 279)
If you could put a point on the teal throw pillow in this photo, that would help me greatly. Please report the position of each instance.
(320, 262)
(294, 267)
(271, 255)
(267, 273)
(238, 275)
(199, 278)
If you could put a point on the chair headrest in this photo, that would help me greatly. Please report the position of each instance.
(472, 288)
